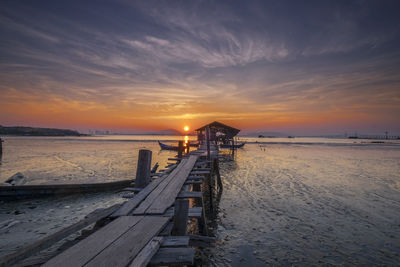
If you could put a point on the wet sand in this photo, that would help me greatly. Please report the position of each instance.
(282, 204)
(310, 205)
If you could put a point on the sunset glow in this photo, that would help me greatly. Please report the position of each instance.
(186, 128)
(158, 66)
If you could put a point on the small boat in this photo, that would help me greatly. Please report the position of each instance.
(230, 146)
(167, 147)
(11, 192)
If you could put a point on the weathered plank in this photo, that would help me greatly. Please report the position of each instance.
(199, 172)
(202, 241)
(175, 241)
(191, 182)
(190, 194)
(173, 256)
(145, 255)
(191, 177)
(87, 249)
(128, 206)
(167, 197)
(202, 169)
(124, 249)
(51, 239)
(193, 212)
(141, 209)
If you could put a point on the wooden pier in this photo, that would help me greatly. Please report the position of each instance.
(151, 228)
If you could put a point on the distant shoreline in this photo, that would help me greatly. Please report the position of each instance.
(35, 131)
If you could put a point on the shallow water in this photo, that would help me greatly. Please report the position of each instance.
(77, 159)
(302, 201)
(54, 160)
(310, 205)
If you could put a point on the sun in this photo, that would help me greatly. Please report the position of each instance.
(186, 128)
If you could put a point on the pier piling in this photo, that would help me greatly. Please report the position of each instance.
(143, 173)
(180, 149)
(180, 217)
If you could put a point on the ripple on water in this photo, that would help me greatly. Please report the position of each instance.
(310, 205)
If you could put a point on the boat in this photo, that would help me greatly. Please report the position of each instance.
(11, 192)
(167, 147)
(230, 146)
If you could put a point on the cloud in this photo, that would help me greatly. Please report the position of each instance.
(169, 61)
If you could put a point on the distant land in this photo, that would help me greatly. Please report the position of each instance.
(33, 131)
(264, 134)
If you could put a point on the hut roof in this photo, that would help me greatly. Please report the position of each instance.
(228, 130)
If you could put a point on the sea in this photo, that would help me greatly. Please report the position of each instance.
(285, 201)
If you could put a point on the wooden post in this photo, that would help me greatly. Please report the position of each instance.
(1, 147)
(180, 217)
(188, 147)
(143, 177)
(202, 221)
(233, 147)
(211, 193)
(155, 167)
(208, 142)
(216, 168)
(180, 149)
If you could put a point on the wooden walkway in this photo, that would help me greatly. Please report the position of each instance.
(151, 227)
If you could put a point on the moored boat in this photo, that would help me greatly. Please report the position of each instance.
(167, 147)
(11, 192)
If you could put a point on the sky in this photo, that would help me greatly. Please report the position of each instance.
(299, 67)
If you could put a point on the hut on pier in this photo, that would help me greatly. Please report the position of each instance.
(219, 133)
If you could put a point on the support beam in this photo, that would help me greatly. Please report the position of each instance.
(180, 217)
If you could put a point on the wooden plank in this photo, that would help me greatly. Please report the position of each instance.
(51, 239)
(157, 191)
(125, 248)
(173, 256)
(87, 249)
(128, 206)
(193, 212)
(167, 198)
(190, 194)
(145, 255)
(175, 241)
(202, 169)
(199, 172)
(190, 182)
(167, 229)
(202, 241)
(196, 177)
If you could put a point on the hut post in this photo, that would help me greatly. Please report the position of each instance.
(208, 142)
(188, 147)
(143, 168)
